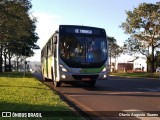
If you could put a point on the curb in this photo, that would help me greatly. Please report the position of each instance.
(135, 77)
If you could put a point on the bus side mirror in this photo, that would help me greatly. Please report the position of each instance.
(54, 51)
(55, 40)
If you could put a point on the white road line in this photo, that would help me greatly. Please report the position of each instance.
(142, 115)
(77, 95)
(125, 93)
(111, 93)
(157, 89)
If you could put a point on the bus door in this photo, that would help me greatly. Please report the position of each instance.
(47, 62)
(55, 57)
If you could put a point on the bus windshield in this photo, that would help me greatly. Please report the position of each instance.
(80, 51)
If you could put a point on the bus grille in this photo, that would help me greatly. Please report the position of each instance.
(80, 77)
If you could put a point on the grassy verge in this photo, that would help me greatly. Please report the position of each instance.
(139, 75)
(18, 94)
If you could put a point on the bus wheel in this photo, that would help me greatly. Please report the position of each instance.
(44, 79)
(92, 83)
(57, 84)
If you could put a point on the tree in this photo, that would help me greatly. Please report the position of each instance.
(17, 29)
(114, 49)
(143, 23)
(116, 52)
(111, 42)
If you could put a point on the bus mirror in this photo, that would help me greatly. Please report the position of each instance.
(54, 52)
(55, 39)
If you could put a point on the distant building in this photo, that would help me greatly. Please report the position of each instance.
(138, 64)
(125, 67)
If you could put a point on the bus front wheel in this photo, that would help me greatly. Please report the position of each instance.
(57, 84)
(43, 77)
(92, 83)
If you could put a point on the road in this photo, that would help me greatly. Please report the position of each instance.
(115, 96)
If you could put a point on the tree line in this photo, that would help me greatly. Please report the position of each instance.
(18, 37)
(17, 32)
(143, 25)
(114, 51)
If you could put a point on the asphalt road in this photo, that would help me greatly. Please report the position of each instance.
(116, 98)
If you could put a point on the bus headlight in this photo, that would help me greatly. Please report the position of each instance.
(104, 69)
(104, 76)
(63, 76)
(62, 68)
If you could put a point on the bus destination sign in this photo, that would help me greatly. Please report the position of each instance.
(83, 31)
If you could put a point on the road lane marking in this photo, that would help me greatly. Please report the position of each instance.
(157, 89)
(125, 93)
(142, 115)
(99, 93)
(74, 95)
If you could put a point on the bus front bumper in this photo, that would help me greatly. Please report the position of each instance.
(66, 76)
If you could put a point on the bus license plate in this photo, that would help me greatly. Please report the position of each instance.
(86, 79)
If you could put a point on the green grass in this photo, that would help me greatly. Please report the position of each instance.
(138, 74)
(29, 94)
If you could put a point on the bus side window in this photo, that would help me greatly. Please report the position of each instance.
(45, 52)
(54, 45)
(55, 40)
(49, 48)
(42, 55)
(54, 50)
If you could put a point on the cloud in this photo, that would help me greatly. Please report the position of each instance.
(46, 26)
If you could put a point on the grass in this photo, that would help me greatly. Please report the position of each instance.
(29, 94)
(138, 74)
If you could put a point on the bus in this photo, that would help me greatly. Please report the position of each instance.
(75, 53)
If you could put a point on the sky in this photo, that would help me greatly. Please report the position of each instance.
(107, 14)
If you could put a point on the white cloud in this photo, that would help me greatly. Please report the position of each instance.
(46, 26)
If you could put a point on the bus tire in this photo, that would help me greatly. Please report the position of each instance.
(43, 78)
(92, 83)
(57, 84)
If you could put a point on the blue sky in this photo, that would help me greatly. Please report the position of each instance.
(107, 14)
